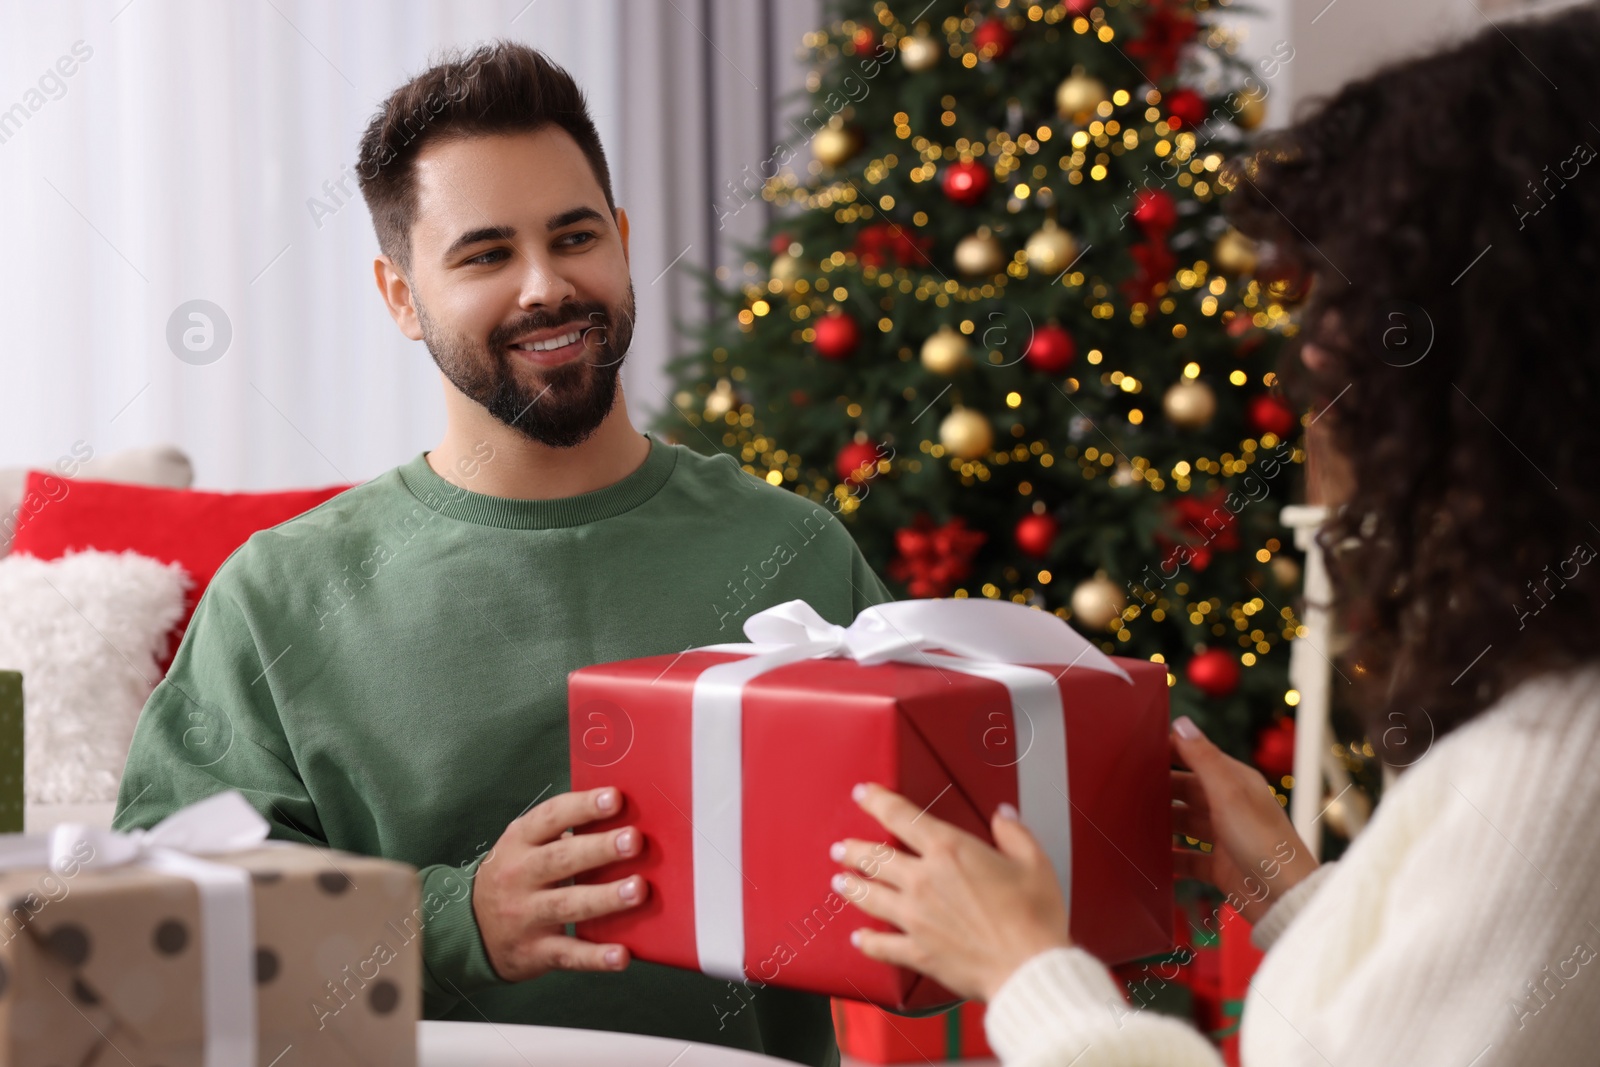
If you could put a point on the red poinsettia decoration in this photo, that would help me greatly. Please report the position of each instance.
(878, 243)
(1169, 25)
(1199, 526)
(933, 560)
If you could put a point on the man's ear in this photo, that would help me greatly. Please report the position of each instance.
(622, 228)
(396, 293)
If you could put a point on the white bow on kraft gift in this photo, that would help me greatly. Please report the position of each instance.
(987, 639)
(224, 822)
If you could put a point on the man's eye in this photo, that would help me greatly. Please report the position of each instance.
(480, 258)
(582, 233)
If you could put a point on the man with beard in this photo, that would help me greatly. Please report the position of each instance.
(386, 673)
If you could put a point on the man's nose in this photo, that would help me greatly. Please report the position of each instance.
(544, 283)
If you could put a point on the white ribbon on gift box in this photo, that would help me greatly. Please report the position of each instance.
(988, 639)
(223, 822)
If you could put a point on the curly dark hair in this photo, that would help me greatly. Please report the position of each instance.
(1447, 208)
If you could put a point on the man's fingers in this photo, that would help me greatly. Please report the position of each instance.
(544, 822)
(575, 903)
(571, 855)
(561, 953)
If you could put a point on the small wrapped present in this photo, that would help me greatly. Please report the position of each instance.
(737, 762)
(198, 943)
(872, 1035)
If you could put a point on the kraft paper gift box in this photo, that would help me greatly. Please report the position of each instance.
(737, 761)
(200, 944)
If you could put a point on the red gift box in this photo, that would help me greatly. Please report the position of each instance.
(737, 769)
(1240, 958)
(870, 1034)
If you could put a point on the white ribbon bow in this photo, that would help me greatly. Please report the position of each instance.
(984, 638)
(224, 822)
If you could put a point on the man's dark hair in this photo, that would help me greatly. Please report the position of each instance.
(500, 88)
(1448, 208)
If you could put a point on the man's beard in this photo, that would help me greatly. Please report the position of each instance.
(559, 406)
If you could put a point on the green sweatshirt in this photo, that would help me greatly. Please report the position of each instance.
(387, 674)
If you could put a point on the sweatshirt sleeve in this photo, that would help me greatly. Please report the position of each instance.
(1063, 1007)
(1283, 911)
(212, 725)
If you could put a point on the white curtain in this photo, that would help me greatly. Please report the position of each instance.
(156, 152)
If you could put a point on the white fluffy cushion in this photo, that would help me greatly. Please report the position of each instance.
(87, 632)
(160, 465)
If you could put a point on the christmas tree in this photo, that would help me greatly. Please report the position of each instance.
(1003, 331)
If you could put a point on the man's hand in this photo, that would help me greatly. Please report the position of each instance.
(521, 906)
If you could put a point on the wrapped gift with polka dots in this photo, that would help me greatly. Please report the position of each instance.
(152, 948)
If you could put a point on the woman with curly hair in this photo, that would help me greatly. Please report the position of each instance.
(1448, 209)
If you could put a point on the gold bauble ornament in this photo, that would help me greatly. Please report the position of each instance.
(979, 253)
(1252, 110)
(966, 434)
(786, 270)
(1097, 602)
(833, 145)
(1079, 95)
(946, 352)
(920, 52)
(1286, 571)
(1051, 250)
(1348, 812)
(1189, 404)
(721, 400)
(1235, 253)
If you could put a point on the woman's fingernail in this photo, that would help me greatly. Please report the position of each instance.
(613, 957)
(606, 800)
(1008, 811)
(625, 842)
(1186, 728)
(855, 938)
(858, 794)
(836, 852)
(629, 890)
(841, 884)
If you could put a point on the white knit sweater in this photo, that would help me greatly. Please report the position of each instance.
(1461, 928)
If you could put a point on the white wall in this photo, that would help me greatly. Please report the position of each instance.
(176, 163)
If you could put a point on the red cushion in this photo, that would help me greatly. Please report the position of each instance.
(198, 530)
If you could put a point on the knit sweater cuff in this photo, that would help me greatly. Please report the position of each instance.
(455, 963)
(1026, 1016)
(1063, 1003)
(1272, 925)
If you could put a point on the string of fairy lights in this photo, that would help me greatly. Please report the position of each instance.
(1083, 146)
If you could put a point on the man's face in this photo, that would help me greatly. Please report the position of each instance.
(524, 272)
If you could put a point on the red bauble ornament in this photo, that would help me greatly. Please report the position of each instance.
(780, 243)
(857, 462)
(1269, 414)
(837, 335)
(1154, 210)
(932, 559)
(965, 182)
(1051, 350)
(1274, 754)
(1036, 534)
(864, 40)
(992, 40)
(1215, 672)
(799, 398)
(1187, 107)
(1079, 8)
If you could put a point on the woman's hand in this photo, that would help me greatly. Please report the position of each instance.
(971, 914)
(1255, 856)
